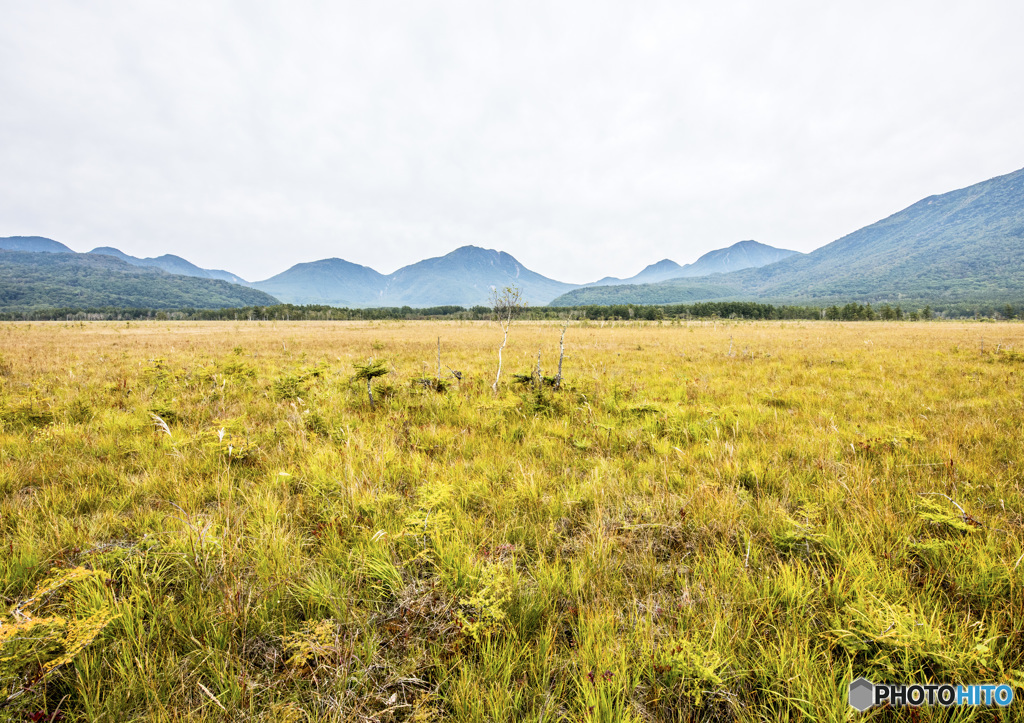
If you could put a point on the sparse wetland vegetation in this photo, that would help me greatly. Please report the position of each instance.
(705, 520)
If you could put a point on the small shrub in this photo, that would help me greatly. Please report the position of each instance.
(484, 613)
(698, 669)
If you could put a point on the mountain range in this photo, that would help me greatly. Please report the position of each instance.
(464, 277)
(171, 264)
(965, 245)
(63, 279)
(742, 255)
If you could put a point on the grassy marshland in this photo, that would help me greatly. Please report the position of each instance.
(715, 521)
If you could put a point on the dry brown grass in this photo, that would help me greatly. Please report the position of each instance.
(710, 521)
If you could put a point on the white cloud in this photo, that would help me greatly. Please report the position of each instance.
(587, 138)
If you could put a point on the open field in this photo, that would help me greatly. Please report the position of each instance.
(714, 521)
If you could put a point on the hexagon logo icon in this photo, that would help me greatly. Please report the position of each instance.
(862, 694)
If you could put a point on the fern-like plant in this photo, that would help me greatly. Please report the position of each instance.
(33, 644)
(368, 372)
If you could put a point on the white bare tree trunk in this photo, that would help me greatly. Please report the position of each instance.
(506, 303)
(504, 328)
(561, 354)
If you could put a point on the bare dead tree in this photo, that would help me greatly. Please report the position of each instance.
(561, 353)
(506, 304)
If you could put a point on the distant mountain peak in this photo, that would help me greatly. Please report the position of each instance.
(171, 264)
(741, 255)
(464, 276)
(478, 252)
(110, 251)
(662, 265)
(36, 244)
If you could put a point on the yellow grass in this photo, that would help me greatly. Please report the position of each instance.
(708, 521)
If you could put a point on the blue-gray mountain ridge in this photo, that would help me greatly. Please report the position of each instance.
(962, 246)
(55, 278)
(168, 262)
(466, 276)
(742, 255)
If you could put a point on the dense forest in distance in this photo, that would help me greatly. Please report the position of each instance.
(32, 281)
(852, 311)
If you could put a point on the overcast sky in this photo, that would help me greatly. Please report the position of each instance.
(585, 138)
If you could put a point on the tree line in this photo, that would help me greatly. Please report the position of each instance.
(747, 310)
